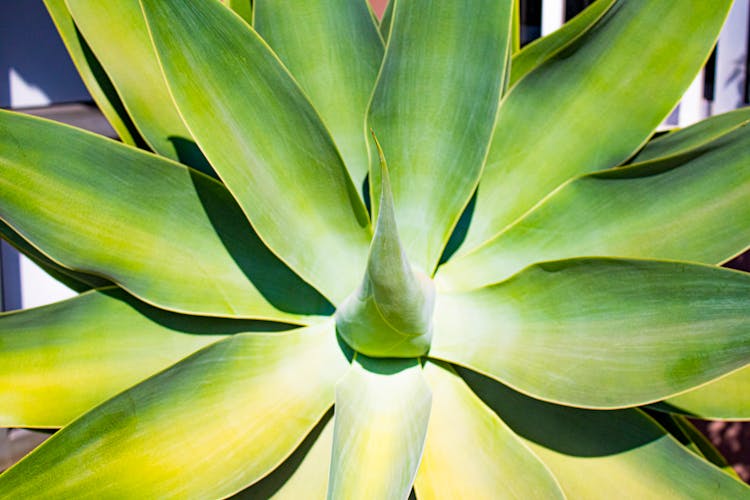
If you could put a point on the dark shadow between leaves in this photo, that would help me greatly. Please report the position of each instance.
(366, 194)
(106, 86)
(195, 325)
(271, 484)
(347, 351)
(459, 232)
(190, 154)
(572, 431)
(664, 407)
(385, 366)
(278, 284)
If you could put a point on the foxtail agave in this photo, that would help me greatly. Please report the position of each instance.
(513, 296)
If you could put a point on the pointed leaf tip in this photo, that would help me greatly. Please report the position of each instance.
(390, 314)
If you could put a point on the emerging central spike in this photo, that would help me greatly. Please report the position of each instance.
(390, 314)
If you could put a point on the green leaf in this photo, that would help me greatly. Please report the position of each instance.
(515, 37)
(382, 410)
(600, 333)
(703, 445)
(470, 452)
(142, 221)
(692, 206)
(79, 282)
(242, 7)
(390, 314)
(385, 22)
(691, 438)
(695, 136)
(65, 358)
(433, 109)
(242, 405)
(610, 90)
(304, 474)
(117, 34)
(722, 399)
(93, 75)
(334, 51)
(264, 140)
(543, 48)
(606, 454)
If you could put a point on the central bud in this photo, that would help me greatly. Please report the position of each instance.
(390, 314)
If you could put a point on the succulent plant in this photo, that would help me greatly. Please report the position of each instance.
(349, 258)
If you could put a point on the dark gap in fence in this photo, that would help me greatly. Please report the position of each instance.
(531, 21)
(747, 64)
(574, 7)
(709, 77)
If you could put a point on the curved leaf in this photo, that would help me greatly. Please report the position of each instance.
(93, 75)
(433, 109)
(543, 48)
(694, 136)
(691, 206)
(470, 452)
(703, 445)
(382, 410)
(691, 438)
(334, 51)
(242, 7)
(606, 454)
(117, 34)
(600, 333)
(264, 140)
(390, 314)
(242, 404)
(65, 358)
(304, 474)
(145, 222)
(385, 22)
(610, 91)
(79, 282)
(722, 399)
(515, 37)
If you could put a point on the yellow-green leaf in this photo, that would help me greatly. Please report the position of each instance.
(610, 90)
(265, 140)
(382, 410)
(600, 333)
(242, 405)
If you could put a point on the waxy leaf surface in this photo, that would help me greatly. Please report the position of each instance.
(334, 51)
(93, 75)
(606, 454)
(725, 398)
(243, 405)
(119, 38)
(470, 452)
(265, 141)
(65, 358)
(382, 410)
(184, 244)
(600, 333)
(692, 206)
(591, 105)
(433, 110)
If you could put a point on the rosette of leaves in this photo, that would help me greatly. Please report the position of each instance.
(511, 297)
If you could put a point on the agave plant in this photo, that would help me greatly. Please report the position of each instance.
(355, 258)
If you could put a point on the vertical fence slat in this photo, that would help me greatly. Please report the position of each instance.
(553, 15)
(693, 107)
(731, 60)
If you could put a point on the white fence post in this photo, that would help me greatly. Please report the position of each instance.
(553, 15)
(694, 107)
(731, 60)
